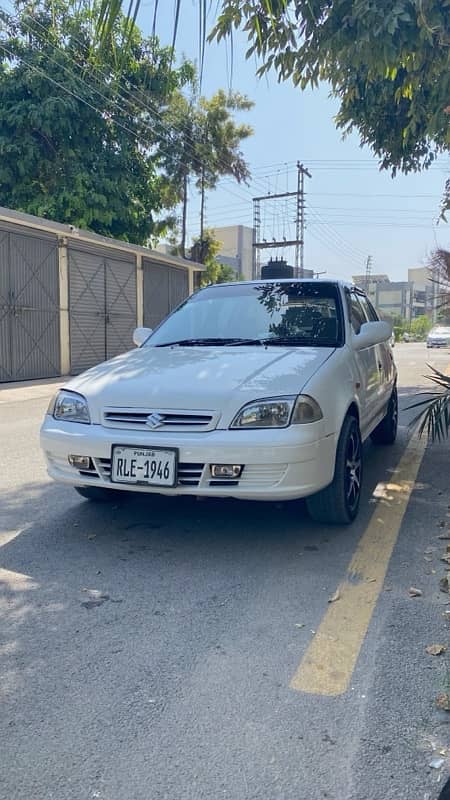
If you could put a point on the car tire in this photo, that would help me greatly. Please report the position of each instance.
(99, 495)
(338, 503)
(386, 431)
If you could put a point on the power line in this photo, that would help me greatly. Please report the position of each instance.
(140, 103)
(356, 194)
(337, 235)
(332, 247)
(155, 113)
(64, 88)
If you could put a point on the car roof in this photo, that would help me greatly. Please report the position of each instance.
(259, 281)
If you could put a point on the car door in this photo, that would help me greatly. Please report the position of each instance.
(384, 356)
(366, 361)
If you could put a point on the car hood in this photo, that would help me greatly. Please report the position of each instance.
(217, 379)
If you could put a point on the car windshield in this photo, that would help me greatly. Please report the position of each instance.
(294, 314)
(442, 330)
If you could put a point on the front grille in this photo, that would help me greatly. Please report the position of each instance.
(187, 475)
(224, 482)
(254, 476)
(190, 474)
(169, 420)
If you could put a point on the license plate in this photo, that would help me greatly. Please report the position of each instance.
(152, 466)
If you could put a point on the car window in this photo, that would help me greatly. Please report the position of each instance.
(356, 312)
(369, 310)
(307, 313)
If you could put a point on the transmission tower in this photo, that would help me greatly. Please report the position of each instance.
(368, 274)
(298, 242)
(300, 230)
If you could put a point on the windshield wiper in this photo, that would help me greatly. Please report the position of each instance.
(210, 342)
(238, 342)
(297, 341)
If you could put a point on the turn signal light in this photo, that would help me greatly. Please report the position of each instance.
(226, 470)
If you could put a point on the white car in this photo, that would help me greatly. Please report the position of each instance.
(261, 390)
(439, 337)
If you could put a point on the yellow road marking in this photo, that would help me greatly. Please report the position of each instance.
(329, 661)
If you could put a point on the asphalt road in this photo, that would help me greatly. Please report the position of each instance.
(173, 675)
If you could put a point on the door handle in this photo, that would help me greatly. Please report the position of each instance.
(380, 366)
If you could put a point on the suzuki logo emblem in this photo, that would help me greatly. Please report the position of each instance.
(155, 420)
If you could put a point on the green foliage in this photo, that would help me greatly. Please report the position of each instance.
(417, 328)
(434, 415)
(219, 138)
(205, 251)
(388, 63)
(217, 273)
(73, 147)
(440, 275)
(420, 326)
(206, 144)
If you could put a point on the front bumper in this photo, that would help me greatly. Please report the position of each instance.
(282, 464)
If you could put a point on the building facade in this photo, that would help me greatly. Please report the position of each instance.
(70, 299)
(408, 299)
(236, 249)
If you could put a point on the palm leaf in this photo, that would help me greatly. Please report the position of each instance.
(175, 24)
(108, 14)
(434, 417)
(155, 16)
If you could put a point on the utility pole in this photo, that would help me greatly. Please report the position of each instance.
(300, 230)
(256, 237)
(368, 272)
(259, 244)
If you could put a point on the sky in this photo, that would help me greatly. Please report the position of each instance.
(352, 209)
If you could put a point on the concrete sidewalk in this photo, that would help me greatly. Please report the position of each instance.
(20, 391)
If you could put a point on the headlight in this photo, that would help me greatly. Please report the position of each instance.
(278, 412)
(69, 406)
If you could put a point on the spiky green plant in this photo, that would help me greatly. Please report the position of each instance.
(434, 416)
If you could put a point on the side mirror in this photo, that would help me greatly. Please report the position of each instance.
(371, 333)
(140, 335)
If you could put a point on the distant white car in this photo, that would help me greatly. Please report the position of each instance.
(262, 390)
(439, 337)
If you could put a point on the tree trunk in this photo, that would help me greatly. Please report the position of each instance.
(202, 213)
(183, 224)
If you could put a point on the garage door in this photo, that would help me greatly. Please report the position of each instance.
(102, 307)
(29, 306)
(164, 289)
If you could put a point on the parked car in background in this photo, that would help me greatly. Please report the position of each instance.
(439, 337)
(262, 390)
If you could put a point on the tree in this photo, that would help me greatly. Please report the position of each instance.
(205, 251)
(387, 62)
(78, 139)
(440, 277)
(420, 326)
(204, 144)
